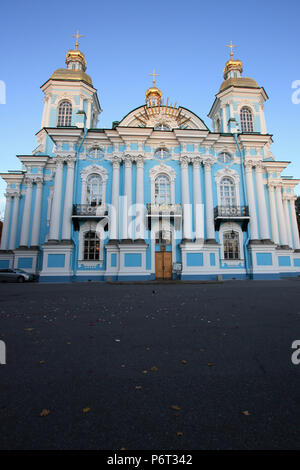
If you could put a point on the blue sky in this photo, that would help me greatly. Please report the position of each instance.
(124, 41)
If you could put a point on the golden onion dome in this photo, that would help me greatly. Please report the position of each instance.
(74, 55)
(233, 64)
(153, 91)
(70, 74)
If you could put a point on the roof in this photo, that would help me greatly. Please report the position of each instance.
(242, 82)
(69, 74)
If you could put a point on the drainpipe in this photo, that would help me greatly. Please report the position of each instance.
(74, 194)
(235, 135)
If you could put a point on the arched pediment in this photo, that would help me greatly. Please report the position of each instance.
(174, 118)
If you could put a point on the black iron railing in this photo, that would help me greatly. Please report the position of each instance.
(231, 211)
(86, 210)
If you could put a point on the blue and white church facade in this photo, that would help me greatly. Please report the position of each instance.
(159, 195)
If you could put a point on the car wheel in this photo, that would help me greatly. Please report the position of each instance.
(21, 279)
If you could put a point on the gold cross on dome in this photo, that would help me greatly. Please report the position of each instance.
(231, 47)
(77, 36)
(153, 76)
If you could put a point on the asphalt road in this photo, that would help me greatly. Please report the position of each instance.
(176, 367)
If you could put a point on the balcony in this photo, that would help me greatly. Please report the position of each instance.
(231, 214)
(172, 212)
(87, 211)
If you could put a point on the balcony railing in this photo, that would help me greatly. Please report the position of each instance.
(167, 210)
(86, 210)
(223, 213)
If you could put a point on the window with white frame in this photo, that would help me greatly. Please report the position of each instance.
(95, 152)
(231, 245)
(246, 119)
(64, 117)
(162, 153)
(91, 246)
(225, 157)
(94, 190)
(162, 127)
(227, 192)
(162, 190)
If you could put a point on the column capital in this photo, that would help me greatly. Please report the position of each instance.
(29, 182)
(8, 195)
(116, 161)
(59, 161)
(139, 161)
(207, 163)
(184, 161)
(196, 162)
(249, 164)
(128, 159)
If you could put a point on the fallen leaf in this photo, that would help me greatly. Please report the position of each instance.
(68, 342)
(42, 362)
(145, 372)
(179, 434)
(86, 410)
(28, 329)
(138, 387)
(210, 364)
(154, 368)
(184, 361)
(175, 407)
(246, 413)
(44, 412)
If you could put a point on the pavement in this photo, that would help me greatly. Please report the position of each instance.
(150, 366)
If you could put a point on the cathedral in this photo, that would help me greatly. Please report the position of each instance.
(158, 195)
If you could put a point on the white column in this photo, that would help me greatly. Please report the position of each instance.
(274, 224)
(26, 214)
(127, 199)
(209, 206)
(263, 120)
(262, 208)
(185, 198)
(225, 128)
(56, 202)
(5, 227)
(89, 114)
(140, 202)
(251, 201)
(35, 235)
(287, 221)
(198, 206)
(14, 222)
(114, 212)
(281, 218)
(68, 203)
(294, 224)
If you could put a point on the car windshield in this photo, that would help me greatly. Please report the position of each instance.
(20, 271)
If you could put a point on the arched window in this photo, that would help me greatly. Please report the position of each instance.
(91, 246)
(246, 120)
(94, 190)
(227, 192)
(231, 245)
(162, 190)
(162, 127)
(162, 153)
(64, 118)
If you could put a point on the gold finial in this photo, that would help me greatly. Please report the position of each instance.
(77, 36)
(153, 76)
(231, 47)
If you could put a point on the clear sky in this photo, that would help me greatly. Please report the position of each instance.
(124, 40)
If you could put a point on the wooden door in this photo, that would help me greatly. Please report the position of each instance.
(163, 265)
